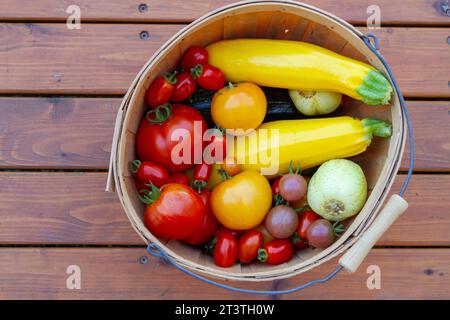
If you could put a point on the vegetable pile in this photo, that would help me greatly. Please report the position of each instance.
(250, 202)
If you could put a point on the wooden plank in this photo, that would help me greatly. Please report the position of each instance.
(69, 133)
(104, 58)
(113, 273)
(39, 208)
(427, 12)
(76, 133)
(72, 208)
(431, 129)
(98, 59)
(415, 56)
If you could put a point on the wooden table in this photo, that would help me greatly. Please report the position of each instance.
(59, 93)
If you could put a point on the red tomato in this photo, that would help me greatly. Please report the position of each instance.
(249, 244)
(216, 146)
(276, 251)
(183, 88)
(174, 212)
(201, 175)
(209, 225)
(154, 138)
(305, 219)
(179, 177)
(193, 56)
(141, 186)
(299, 243)
(222, 230)
(160, 90)
(276, 186)
(208, 77)
(219, 142)
(225, 251)
(147, 171)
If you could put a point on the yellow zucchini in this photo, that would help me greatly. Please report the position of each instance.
(298, 65)
(307, 143)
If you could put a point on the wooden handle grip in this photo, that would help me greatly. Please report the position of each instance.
(356, 254)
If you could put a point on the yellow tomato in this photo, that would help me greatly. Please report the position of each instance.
(243, 201)
(240, 106)
(230, 166)
(267, 237)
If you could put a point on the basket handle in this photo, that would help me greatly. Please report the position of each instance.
(394, 208)
(396, 205)
(155, 250)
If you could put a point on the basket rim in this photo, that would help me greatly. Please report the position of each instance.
(352, 234)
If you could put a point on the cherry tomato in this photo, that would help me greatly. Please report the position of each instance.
(147, 171)
(154, 139)
(230, 166)
(221, 230)
(179, 177)
(160, 90)
(183, 88)
(201, 175)
(281, 221)
(225, 251)
(277, 198)
(276, 186)
(194, 55)
(276, 251)
(216, 149)
(174, 212)
(209, 225)
(298, 242)
(293, 187)
(141, 186)
(266, 234)
(239, 107)
(320, 233)
(208, 77)
(249, 244)
(306, 218)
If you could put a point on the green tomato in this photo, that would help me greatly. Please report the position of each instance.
(315, 103)
(338, 190)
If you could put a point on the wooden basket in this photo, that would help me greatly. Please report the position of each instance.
(277, 20)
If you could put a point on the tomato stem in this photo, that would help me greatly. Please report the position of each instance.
(291, 170)
(150, 196)
(134, 165)
(199, 185)
(262, 255)
(161, 113)
(197, 71)
(209, 247)
(171, 77)
(338, 229)
(295, 238)
(224, 174)
(305, 207)
(278, 199)
(222, 130)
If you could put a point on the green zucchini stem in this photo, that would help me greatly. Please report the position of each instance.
(377, 127)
